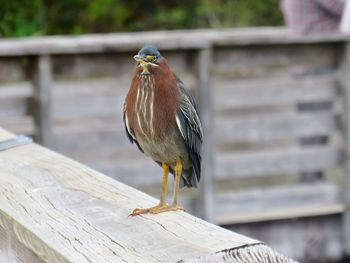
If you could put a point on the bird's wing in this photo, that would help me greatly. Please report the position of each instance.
(189, 124)
(129, 132)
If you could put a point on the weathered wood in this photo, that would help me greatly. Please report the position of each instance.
(310, 239)
(177, 39)
(204, 202)
(107, 136)
(23, 125)
(273, 61)
(13, 69)
(230, 165)
(295, 160)
(15, 90)
(13, 107)
(274, 127)
(259, 79)
(15, 250)
(260, 253)
(283, 202)
(235, 94)
(41, 79)
(63, 211)
(346, 119)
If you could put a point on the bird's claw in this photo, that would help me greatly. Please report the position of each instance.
(139, 211)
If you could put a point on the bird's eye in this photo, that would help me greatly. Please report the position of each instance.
(152, 58)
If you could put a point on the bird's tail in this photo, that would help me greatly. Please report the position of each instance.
(189, 178)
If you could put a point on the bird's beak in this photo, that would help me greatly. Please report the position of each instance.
(144, 62)
(140, 59)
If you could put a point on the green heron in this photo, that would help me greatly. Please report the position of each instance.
(161, 117)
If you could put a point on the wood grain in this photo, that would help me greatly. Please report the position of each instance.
(65, 212)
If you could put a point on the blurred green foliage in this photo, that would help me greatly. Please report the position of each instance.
(48, 17)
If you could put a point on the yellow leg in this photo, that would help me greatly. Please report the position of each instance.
(162, 206)
(165, 184)
(162, 202)
(178, 172)
(174, 206)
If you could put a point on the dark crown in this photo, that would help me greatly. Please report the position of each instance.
(150, 50)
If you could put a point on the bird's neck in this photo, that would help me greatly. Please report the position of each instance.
(144, 69)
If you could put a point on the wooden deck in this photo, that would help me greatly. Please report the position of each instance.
(274, 109)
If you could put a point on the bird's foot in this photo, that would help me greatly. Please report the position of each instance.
(156, 209)
(166, 208)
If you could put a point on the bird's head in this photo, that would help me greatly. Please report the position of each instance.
(148, 56)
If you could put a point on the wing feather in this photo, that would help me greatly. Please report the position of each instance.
(189, 124)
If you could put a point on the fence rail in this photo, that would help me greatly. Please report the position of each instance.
(272, 105)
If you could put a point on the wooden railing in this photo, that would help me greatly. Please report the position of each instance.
(53, 209)
(273, 107)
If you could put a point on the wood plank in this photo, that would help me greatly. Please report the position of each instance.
(273, 127)
(99, 43)
(274, 61)
(86, 86)
(144, 172)
(295, 160)
(309, 239)
(85, 106)
(96, 146)
(138, 172)
(14, 107)
(106, 135)
(15, 90)
(74, 100)
(13, 69)
(176, 39)
(42, 77)
(92, 124)
(86, 215)
(22, 125)
(271, 91)
(283, 202)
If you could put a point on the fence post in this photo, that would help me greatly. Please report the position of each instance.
(346, 192)
(203, 204)
(41, 76)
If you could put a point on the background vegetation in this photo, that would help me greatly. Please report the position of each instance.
(49, 17)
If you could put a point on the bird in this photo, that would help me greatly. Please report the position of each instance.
(161, 117)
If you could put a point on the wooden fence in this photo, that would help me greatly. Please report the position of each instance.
(273, 108)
